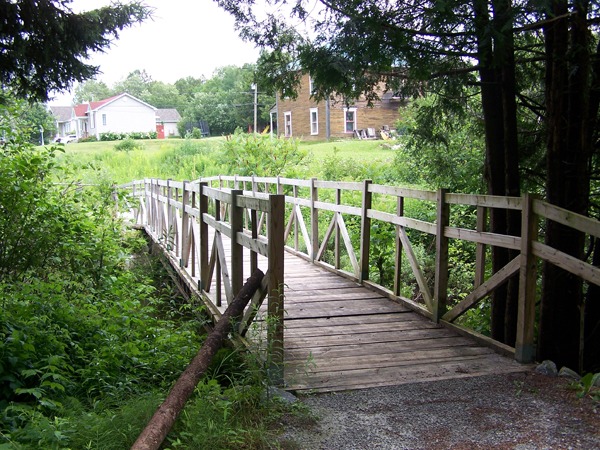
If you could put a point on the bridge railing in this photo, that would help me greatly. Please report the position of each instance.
(364, 204)
(178, 216)
(352, 211)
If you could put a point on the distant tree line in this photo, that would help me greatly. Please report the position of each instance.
(225, 101)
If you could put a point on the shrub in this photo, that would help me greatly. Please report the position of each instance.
(88, 139)
(262, 155)
(197, 133)
(128, 144)
(110, 136)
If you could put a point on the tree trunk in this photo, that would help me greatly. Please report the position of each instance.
(491, 101)
(155, 432)
(505, 58)
(567, 181)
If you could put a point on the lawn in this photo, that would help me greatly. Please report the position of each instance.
(180, 159)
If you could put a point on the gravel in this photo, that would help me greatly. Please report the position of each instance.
(516, 411)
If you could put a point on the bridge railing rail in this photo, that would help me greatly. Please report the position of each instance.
(178, 215)
(349, 206)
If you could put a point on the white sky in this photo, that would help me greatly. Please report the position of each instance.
(186, 38)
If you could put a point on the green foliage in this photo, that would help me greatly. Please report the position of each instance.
(110, 136)
(197, 133)
(587, 386)
(262, 155)
(442, 146)
(46, 44)
(128, 144)
(90, 138)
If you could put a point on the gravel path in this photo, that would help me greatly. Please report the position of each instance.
(517, 411)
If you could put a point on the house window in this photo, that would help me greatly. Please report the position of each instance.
(287, 120)
(311, 85)
(103, 119)
(350, 120)
(314, 121)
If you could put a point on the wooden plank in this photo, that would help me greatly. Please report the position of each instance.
(350, 363)
(403, 221)
(359, 329)
(224, 271)
(416, 268)
(254, 203)
(353, 210)
(303, 229)
(398, 347)
(345, 185)
(341, 340)
(481, 249)
(567, 262)
(429, 196)
(568, 218)
(217, 225)
(498, 240)
(496, 280)
(256, 245)
(440, 289)
(365, 233)
(487, 201)
(348, 244)
(459, 368)
(326, 238)
(351, 321)
(314, 221)
(217, 194)
(524, 344)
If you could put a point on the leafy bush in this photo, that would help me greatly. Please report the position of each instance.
(88, 139)
(110, 136)
(262, 155)
(197, 133)
(126, 145)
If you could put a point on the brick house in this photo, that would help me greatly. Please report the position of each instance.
(332, 118)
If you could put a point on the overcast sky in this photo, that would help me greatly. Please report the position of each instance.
(185, 38)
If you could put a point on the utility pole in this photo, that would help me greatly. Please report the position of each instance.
(255, 86)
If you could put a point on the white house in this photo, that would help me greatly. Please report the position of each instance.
(121, 113)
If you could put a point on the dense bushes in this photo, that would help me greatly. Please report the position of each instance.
(110, 136)
(261, 155)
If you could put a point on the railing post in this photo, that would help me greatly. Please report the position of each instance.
(169, 229)
(524, 348)
(296, 240)
(365, 233)
(203, 256)
(236, 216)
(185, 225)
(276, 226)
(440, 294)
(398, 261)
(148, 194)
(314, 221)
(480, 252)
(193, 237)
(338, 201)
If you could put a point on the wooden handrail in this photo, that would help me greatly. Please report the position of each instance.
(164, 206)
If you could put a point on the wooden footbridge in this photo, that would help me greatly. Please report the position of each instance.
(325, 326)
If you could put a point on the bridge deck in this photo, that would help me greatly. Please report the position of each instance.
(340, 335)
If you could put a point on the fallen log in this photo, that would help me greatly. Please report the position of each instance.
(165, 416)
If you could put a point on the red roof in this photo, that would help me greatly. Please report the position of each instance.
(94, 105)
(80, 110)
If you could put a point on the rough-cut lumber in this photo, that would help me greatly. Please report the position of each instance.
(155, 432)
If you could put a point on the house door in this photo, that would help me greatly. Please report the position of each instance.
(160, 131)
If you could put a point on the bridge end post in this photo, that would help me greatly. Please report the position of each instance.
(524, 346)
(276, 306)
(365, 232)
(440, 295)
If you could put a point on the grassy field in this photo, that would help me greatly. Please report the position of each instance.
(180, 159)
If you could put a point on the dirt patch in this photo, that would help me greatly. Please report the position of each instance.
(518, 411)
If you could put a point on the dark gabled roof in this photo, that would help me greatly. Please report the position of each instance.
(167, 115)
(61, 113)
